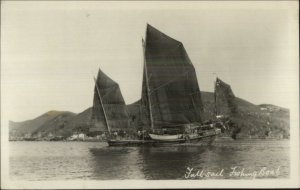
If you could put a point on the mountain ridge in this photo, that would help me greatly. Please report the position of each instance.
(263, 120)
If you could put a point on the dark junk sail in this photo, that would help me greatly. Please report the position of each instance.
(170, 91)
(226, 107)
(109, 112)
(225, 104)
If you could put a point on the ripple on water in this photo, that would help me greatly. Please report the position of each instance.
(96, 161)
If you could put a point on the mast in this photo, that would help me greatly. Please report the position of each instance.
(148, 89)
(215, 97)
(98, 92)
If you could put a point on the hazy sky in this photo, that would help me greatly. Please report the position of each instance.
(50, 51)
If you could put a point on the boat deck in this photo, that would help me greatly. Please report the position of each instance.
(200, 140)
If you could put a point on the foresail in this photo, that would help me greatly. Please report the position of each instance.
(225, 99)
(173, 87)
(113, 105)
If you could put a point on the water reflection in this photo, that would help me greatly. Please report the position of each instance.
(147, 162)
(115, 163)
(171, 162)
(96, 161)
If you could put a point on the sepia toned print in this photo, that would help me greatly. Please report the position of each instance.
(130, 94)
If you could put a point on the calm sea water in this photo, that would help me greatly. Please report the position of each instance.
(240, 159)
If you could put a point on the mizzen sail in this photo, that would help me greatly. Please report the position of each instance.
(225, 102)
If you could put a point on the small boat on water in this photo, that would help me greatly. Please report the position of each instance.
(171, 108)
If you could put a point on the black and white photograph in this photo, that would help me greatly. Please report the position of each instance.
(149, 94)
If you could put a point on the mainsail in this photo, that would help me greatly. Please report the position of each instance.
(170, 87)
(109, 111)
(225, 103)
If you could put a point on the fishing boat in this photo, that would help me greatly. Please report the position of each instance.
(171, 96)
(109, 114)
(171, 109)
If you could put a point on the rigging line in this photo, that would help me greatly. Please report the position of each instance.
(106, 94)
(184, 74)
(109, 89)
(112, 86)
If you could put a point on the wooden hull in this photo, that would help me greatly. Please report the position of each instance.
(141, 142)
(129, 142)
(193, 137)
(196, 141)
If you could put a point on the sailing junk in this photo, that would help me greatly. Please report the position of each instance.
(171, 107)
(171, 97)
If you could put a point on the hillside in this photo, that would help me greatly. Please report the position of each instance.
(20, 129)
(254, 120)
(258, 121)
(80, 122)
(57, 123)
